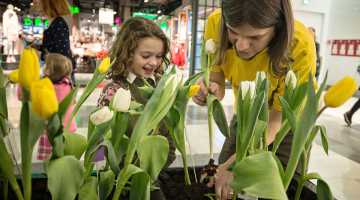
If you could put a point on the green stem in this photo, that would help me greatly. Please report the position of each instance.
(3, 126)
(211, 136)
(251, 147)
(234, 195)
(121, 181)
(303, 172)
(156, 128)
(7, 83)
(26, 170)
(265, 145)
(187, 178)
(24, 95)
(5, 187)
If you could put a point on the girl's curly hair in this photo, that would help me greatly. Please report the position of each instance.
(126, 41)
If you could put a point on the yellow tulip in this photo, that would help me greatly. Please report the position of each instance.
(43, 98)
(104, 65)
(339, 93)
(29, 68)
(14, 77)
(193, 90)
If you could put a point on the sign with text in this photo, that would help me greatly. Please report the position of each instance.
(345, 48)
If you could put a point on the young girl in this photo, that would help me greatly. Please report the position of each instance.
(140, 49)
(58, 69)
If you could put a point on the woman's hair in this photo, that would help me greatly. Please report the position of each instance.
(59, 66)
(54, 8)
(127, 40)
(260, 14)
(313, 29)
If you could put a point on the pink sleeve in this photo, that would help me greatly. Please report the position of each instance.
(19, 93)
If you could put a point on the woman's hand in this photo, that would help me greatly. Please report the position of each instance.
(221, 187)
(200, 97)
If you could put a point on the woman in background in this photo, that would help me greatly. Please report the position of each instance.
(317, 45)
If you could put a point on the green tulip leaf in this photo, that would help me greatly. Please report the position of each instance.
(232, 166)
(218, 114)
(321, 89)
(140, 187)
(250, 127)
(54, 130)
(7, 169)
(306, 122)
(284, 129)
(246, 109)
(134, 105)
(65, 104)
(146, 92)
(121, 149)
(263, 181)
(324, 139)
(182, 93)
(299, 98)
(192, 80)
(2, 77)
(256, 151)
(311, 138)
(3, 103)
(89, 189)
(108, 135)
(323, 190)
(110, 157)
(289, 114)
(107, 179)
(119, 127)
(59, 172)
(95, 138)
(153, 152)
(146, 83)
(259, 130)
(210, 196)
(74, 144)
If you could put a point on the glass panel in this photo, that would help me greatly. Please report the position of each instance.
(201, 12)
(198, 47)
(197, 64)
(200, 37)
(201, 25)
(217, 3)
(202, 2)
(209, 3)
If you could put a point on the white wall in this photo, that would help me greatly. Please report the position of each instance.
(344, 24)
(316, 14)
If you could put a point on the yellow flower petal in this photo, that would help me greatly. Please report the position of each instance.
(43, 98)
(339, 93)
(104, 65)
(14, 76)
(193, 90)
(29, 68)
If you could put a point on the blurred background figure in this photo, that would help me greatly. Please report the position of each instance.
(313, 34)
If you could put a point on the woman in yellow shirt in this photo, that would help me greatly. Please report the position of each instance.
(257, 35)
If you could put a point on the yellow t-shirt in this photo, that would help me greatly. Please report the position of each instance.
(237, 70)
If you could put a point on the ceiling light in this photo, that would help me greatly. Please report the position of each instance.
(19, 9)
(159, 11)
(31, 4)
(145, 1)
(89, 20)
(114, 13)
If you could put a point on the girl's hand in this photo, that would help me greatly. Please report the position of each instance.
(221, 187)
(200, 97)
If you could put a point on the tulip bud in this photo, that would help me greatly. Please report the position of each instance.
(245, 85)
(193, 90)
(104, 65)
(293, 79)
(102, 115)
(14, 76)
(339, 93)
(29, 68)
(261, 74)
(210, 47)
(175, 82)
(122, 100)
(43, 98)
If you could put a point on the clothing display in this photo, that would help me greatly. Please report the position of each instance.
(177, 53)
(11, 31)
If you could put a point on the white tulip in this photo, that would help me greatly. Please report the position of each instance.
(102, 115)
(293, 79)
(175, 82)
(261, 74)
(245, 85)
(122, 100)
(210, 47)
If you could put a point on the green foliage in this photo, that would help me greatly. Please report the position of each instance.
(107, 179)
(216, 110)
(74, 144)
(89, 189)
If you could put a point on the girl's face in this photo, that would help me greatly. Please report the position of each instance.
(45, 71)
(147, 57)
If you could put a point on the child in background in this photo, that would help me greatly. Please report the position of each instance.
(58, 69)
(140, 49)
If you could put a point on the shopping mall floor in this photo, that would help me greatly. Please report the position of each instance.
(341, 169)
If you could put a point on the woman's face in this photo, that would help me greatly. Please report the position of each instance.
(147, 56)
(249, 41)
(312, 32)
